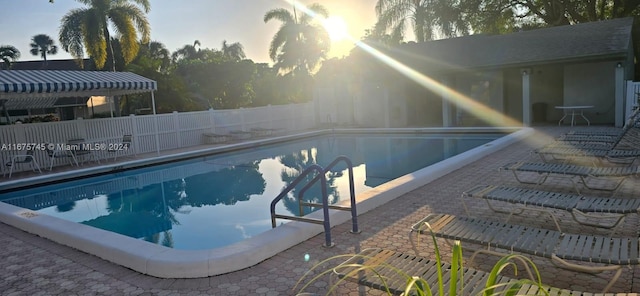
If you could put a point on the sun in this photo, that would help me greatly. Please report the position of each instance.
(336, 27)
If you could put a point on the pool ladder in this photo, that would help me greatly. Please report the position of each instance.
(320, 176)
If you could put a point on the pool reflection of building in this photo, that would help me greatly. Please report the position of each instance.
(403, 154)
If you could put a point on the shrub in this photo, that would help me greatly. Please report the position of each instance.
(418, 286)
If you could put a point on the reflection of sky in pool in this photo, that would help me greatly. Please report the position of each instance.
(217, 200)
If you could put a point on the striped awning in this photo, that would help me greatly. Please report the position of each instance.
(54, 83)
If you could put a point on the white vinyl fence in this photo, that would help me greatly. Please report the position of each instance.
(632, 98)
(175, 130)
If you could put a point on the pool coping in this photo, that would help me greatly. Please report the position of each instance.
(163, 262)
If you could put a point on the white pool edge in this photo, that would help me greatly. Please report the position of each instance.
(159, 261)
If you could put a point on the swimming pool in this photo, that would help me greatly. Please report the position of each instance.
(214, 201)
(115, 191)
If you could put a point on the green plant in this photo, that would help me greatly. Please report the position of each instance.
(419, 286)
(40, 118)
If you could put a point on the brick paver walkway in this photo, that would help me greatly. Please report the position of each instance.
(31, 265)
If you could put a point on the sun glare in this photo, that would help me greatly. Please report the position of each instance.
(336, 27)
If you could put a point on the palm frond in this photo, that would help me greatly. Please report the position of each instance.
(126, 35)
(315, 11)
(280, 14)
(93, 33)
(71, 33)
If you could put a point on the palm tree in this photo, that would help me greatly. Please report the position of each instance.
(42, 45)
(300, 43)
(428, 18)
(89, 27)
(187, 52)
(158, 51)
(233, 52)
(8, 55)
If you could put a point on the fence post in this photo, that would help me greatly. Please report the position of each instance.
(134, 133)
(244, 127)
(292, 117)
(212, 121)
(19, 133)
(270, 115)
(176, 128)
(82, 128)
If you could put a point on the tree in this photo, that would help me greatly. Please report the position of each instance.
(498, 16)
(158, 52)
(300, 43)
(187, 52)
(42, 45)
(8, 55)
(153, 61)
(233, 52)
(427, 17)
(89, 27)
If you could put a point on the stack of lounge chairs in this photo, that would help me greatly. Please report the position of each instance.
(581, 252)
(617, 147)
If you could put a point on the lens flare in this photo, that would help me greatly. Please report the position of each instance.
(486, 113)
(336, 27)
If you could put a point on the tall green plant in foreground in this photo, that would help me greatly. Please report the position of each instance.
(419, 286)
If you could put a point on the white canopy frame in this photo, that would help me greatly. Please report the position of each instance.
(61, 83)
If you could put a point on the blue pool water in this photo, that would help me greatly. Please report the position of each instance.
(217, 200)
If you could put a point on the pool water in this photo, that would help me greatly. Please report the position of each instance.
(217, 200)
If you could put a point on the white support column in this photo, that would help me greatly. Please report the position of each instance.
(619, 95)
(526, 97)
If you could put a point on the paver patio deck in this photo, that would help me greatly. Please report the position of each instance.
(31, 265)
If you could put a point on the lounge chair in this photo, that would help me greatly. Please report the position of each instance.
(615, 149)
(383, 266)
(81, 151)
(584, 173)
(57, 153)
(582, 208)
(586, 146)
(590, 138)
(613, 156)
(614, 252)
(608, 139)
(611, 133)
(26, 158)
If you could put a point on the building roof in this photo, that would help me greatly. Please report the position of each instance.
(586, 41)
(68, 64)
(56, 84)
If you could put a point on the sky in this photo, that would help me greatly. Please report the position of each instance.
(178, 23)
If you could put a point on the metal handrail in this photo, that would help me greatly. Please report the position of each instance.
(325, 200)
(352, 208)
(321, 176)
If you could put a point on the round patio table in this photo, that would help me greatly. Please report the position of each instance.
(573, 111)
